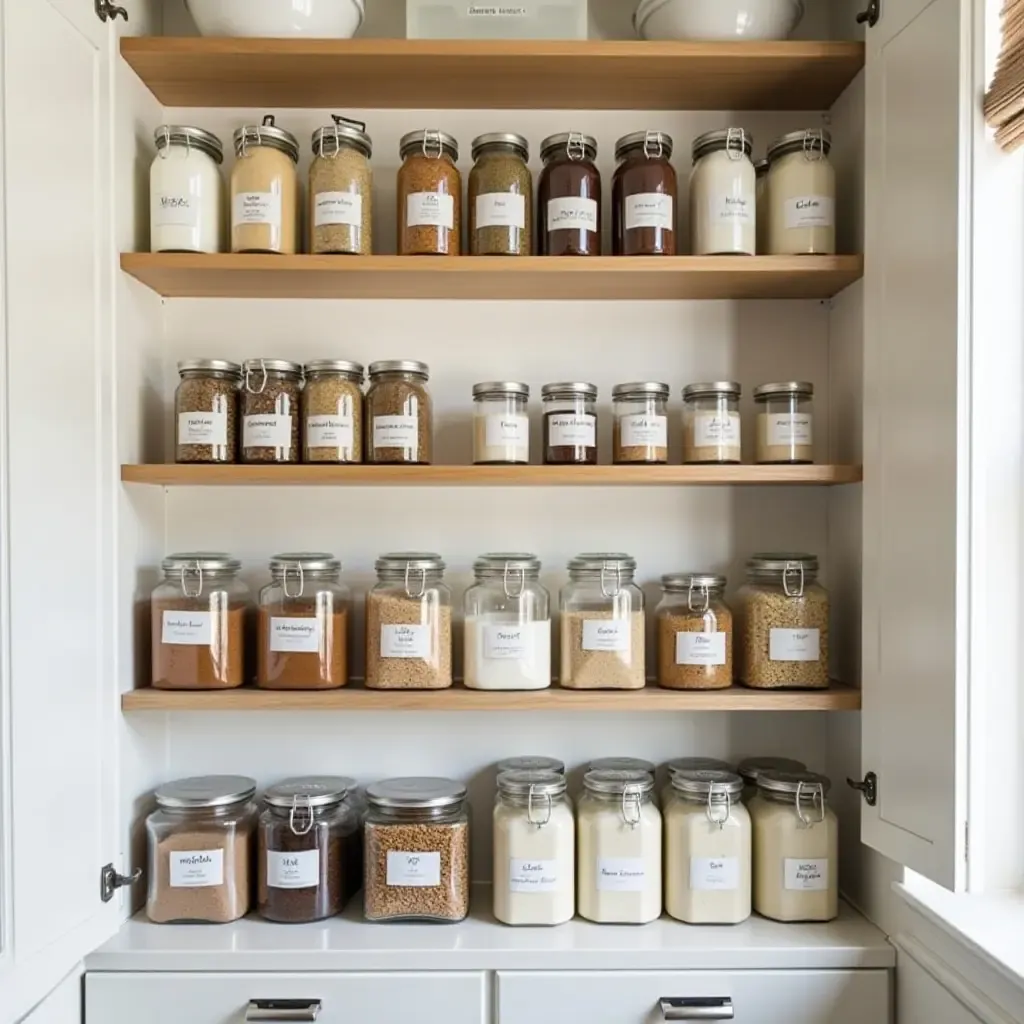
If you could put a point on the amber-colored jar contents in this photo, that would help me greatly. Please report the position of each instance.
(429, 195)
(694, 633)
(569, 197)
(644, 196)
(265, 190)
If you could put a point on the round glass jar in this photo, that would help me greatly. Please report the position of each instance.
(206, 410)
(500, 196)
(534, 850)
(708, 849)
(785, 424)
(640, 426)
(644, 196)
(723, 195)
(186, 191)
(602, 612)
(507, 627)
(796, 848)
(569, 196)
(265, 190)
(618, 834)
(270, 410)
(750, 767)
(399, 413)
(309, 857)
(332, 411)
(711, 423)
(409, 624)
(761, 192)
(689, 764)
(501, 427)
(302, 634)
(783, 615)
(341, 190)
(531, 763)
(801, 195)
(694, 633)
(416, 851)
(429, 195)
(570, 423)
(200, 842)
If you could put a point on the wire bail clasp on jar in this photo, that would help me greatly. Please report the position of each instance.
(164, 151)
(607, 569)
(723, 797)
(432, 142)
(796, 568)
(302, 810)
(423, 582)
(511, 573)
(575, 146)
(813, 145)
(250, 131)
(653, 147)
(338, 122)
(705, 591)
(817, 794)
(538, 822)
(195, 570)
(295, 567)
(735, 143)
(263, 383)
(631, 798)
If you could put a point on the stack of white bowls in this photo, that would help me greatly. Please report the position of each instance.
(717, 19)
(313, 19)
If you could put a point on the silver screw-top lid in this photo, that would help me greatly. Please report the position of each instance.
(251, 136)
(620, 764)
(815, 143)
(199, 561)
(428, 142)
(641, 389)
(787, 784)
(310, 791)
(801, 388)
(737, 142)
(750, 767)
(598, 562)
(192, 138)
(311, 562)
(697, 764)
(255, 366)
(340, 366)
(344, 132)
(501, 563)
(213, 365)
(704, 782)
(656, 145)
(415, 793)
(205, 791)
(575, 145)
(685, 582)
(399, 366)
(569, 389)
(728, 388)
(501, 140)
(774, 562)
(501, 387)
(618, 782)
(531, 763)
(525, 783)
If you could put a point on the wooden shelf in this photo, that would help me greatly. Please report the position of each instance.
(508, 75)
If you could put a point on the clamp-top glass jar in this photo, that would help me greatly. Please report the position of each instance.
(689, 764)
(429, 195)
(723, 194)
(785, 424)
(801, 194)
(186, 192)
(569, 196)
(341, 189)
(644, 196)
(750, 767)
(501, 428)
(500, 196)
(206, 410)
(399, 413)
(265, 190)
(640, 429)
(270, 410)
(694, 633)
(332, 411)
(570, 423)
(711, 422)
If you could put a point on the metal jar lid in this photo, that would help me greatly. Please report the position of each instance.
(656, 145)
(723, 388)
(737, 142)
(800, 388)
(415, 793)
(761, 167)
(410, 566)
(620, 764)
(205, 791)
(575, 145)
(200, 562)
(505, 564)
(750, 767)
(807, 785)
(310, 791)
(499, 140)
(353, 371)
(688, 582)
(697, 764)
(344, 132)
(266, 134)
(616, 782)
(285, 366)
(300, 563)
(531, 763)
(782, 561)
(211, 365)
(399, 366)
(428, 142)
(531, 783)
(814, 143)
(704, 783)
(501, 387)
(168, 135)
(640, 389)
(569, 389)
(601, 562)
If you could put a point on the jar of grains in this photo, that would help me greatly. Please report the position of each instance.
(399, 413)
(198, 618)
(750, 767)
(265, 190)
(801, 194)
(694, 633)
(341, 189)
(332, 411)
(409, 624)
(711, 422)
(530, 763)
(310, 853)
(761, 192)
(186, 192)
(416, 850)
(569, 196)
(723, 192)
(785, 425)
(618, 832)
(200, 840)
(429, 195)
(270, 410)
(501, 428)
(644, 196)
(689, 764)
(534, 849)
(500, 196)
(206, 410)
(640, 427)
(783, 623)
(507, 629)
(570, 423)
(602, 624)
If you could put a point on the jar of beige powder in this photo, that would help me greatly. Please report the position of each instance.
(711, 422)
(784, 422)
(264, 190)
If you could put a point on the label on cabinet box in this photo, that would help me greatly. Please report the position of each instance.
(203, 428)
(713, 430)
(806, 875)
(650, 210)
(787, 428)
(338, 208)
(334, 431)
(700, 649)
(496, 11)
(196, 869)
(405, 642)
(568, 430)
(532, 875)
(293, 870)
(572, 214)
(621, 874)
(430, 209)
(501, 210)
(174, 210)
(188, 628)
(714, 874)
(810, 212)
(606, 634)
(794, 645)
(642, 431)
(267, 430)
(413, 870)
(258, 208)
(726, 209)
(501, 431)
(396, 432)
(294, 635)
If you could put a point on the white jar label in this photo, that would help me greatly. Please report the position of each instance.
(196, 869)
(810, 212)
(567, 429)
(405, 642)
(267, 431)
(293, 870)
(606, 634)
(506, 643)
(501, 210)
(501, 431)
(338, 208)
(642, 431)
(621, 874)
(335, 431)
(294, 635)
(413, 870)
(532, 875)
(712, 430)
(430, 209)
(203, 428)
(794, 645)
(806, 875)
(726, 209)
(174, 210)
(700, 648)
(650, 210)
(396, 432)
(788, 428)
(193, 629)
(714, 874)
(572, 214)
(258, 208)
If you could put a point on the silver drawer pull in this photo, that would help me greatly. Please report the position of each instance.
(283, 1009)
(697, 1008)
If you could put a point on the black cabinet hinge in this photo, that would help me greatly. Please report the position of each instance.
(111, 881)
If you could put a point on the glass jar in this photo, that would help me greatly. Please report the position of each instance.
(569, 196)
(619, 839)
(796, 848)
(309, 859)
(694, 633)
(265, 190)
(783, 617)
(689, 764)
(570, 423)
(341, 189)
(640, 427)
(750, 767)
(785, 424)
(531, 763)
(507, 629)
(761, 193)
(399, 413)
(303, 624)
(186, 191)
(708, 849)
(416, 851)
(534, 850)
(711, 423)
(501, 428)
(198, 618)
(602, 612)
(621, 764)
(332, 411)
(409, 624)
(500, 196)
(644, 196)
(801, 194)
(200, 840)
(206, 410)
(429, 195)
(723, 193)
(270, 410)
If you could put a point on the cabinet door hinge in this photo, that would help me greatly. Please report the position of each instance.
(871, 14)
(111, 881)
(867, 789)
(106, 10)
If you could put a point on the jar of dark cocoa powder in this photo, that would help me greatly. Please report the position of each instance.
(570, 423)
(644, 196)
(569, 196)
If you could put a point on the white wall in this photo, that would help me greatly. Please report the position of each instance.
(63, 1005)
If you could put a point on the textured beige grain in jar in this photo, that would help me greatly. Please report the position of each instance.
(341, 190)
(264, 191)
(622, 453)
(271, 397)
(672, 675)
(394, 393)
(390, 609)
(500, 197)
(206, 386)
(332, 408)
(601, 670)
(762, 609)
(429, 196)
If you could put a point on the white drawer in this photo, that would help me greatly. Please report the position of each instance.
(392, 998)
(634, 997)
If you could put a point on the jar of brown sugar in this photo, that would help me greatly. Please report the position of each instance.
(694, 633)
(640, 429)
(711, 422)
(429, 195)
(332, 411)
(341, 189)
(644, 196)
(265, 190)
(206, 411)
(570, 423)
(785, 425)
(500, 196)
(399, 412)
(569, 196)
(303, 624)
(270, 410)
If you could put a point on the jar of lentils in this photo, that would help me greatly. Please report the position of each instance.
(501, 428)
(640, 429)
(570, 423)
(644, 196)
(711, 422)
(206, 410)
(569, 196)
(429, 195)
(500, 196)
(341, 189)
(270, 410)
(694, 632)
(332, 411)
(399, 412)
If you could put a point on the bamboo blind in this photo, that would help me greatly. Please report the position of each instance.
(1004, 101)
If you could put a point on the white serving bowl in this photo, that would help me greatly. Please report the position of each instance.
(717, 19)
(316, 19)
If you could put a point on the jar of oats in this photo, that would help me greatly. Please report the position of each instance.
(332, 411)
(711, 422)
(399, 412)
(270, 410)
(429, 195)
(694, 633)
(206, 410)
(264, 190)
(341, 189)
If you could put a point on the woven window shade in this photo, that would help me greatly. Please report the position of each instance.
(1004, 101)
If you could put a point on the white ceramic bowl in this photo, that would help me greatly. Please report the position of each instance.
(717, 19)
(318, 19)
